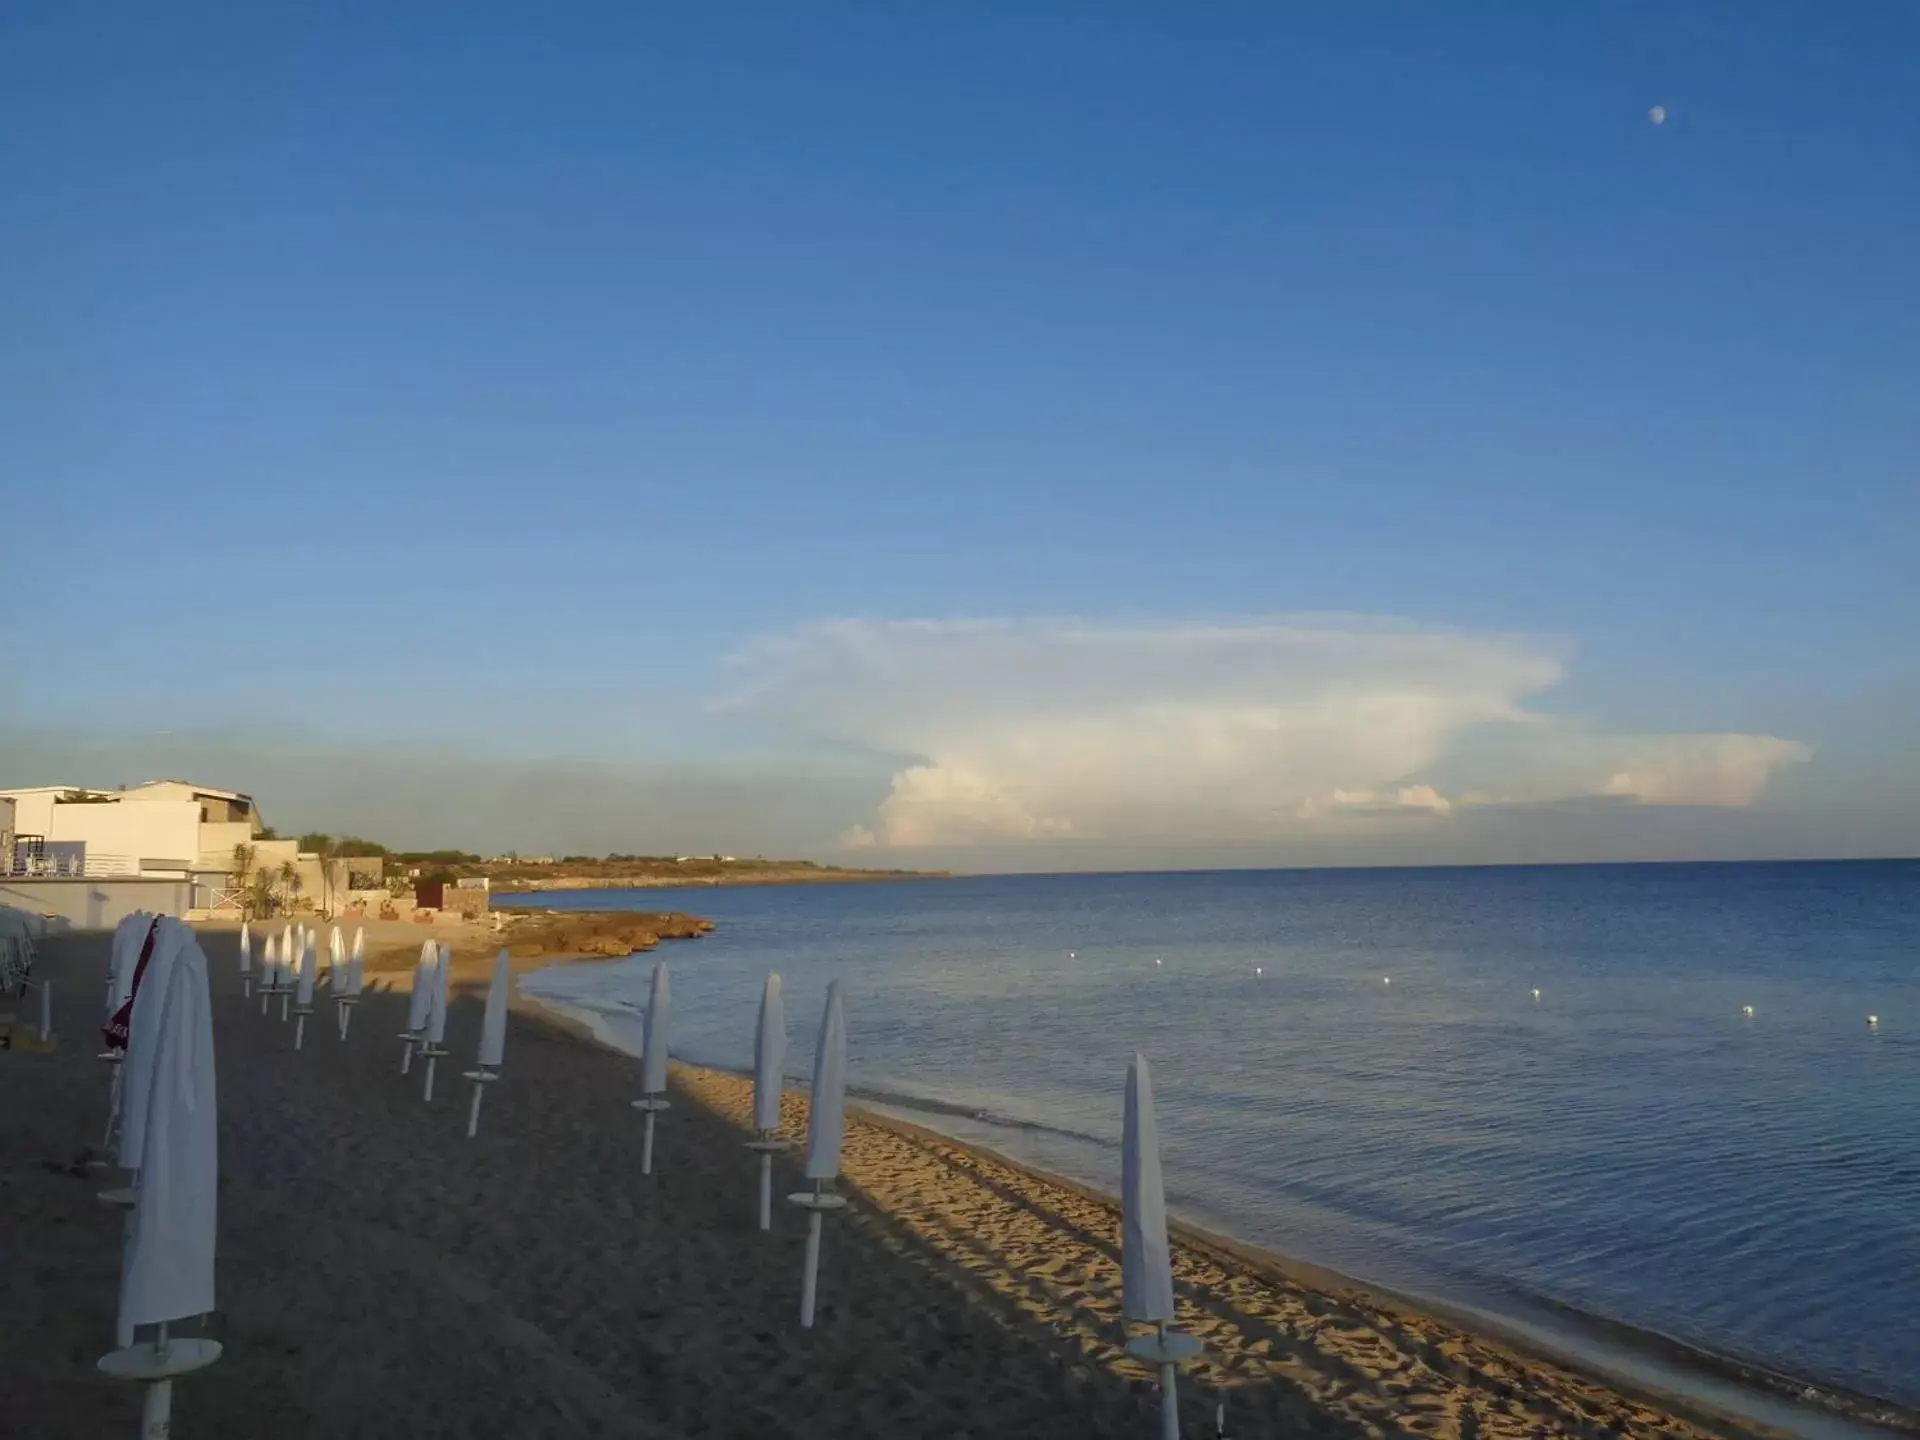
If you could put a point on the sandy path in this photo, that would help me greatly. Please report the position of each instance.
(382, 1275)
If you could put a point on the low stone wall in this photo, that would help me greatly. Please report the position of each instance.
(94, 903)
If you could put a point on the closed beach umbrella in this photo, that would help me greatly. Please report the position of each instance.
(124, 958)
(420, 1001)
(769, 1076)
(1146, 1268)
(166, 1271)
(269, 968)
(827, 1111)
(653, 1063)
(769, 1058)
(493, 1037)
(826, 1124)
(437, 1008)
(653, 1066)
(336, 955)
(493, 1026)
(347, 989)
(434, 1048)
(171, 941)
(303, 990)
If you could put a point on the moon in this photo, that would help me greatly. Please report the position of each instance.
(1658, 114)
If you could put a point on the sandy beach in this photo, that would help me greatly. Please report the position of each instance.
(380, 1274)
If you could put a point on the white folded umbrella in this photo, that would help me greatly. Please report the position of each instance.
(346, 986)
(769, 1080)
(166, 1272)
(653, 1063)
(420, 1001)
(303, 989)
(493, 1037)
(171, 940)
(769, 1058)
(826, 1125)
(827, 1110)
(435, 1045)
(124, 958)
(269, 970)
(1146, 1268)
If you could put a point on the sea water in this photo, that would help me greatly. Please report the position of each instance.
(1354, 1068)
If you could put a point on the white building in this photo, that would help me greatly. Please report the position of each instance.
(162, 829)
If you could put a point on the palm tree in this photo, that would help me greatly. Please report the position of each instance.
(326, 849)
(289, 881)
(260, 898)
(242, 868)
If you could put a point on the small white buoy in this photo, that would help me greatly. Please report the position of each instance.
(1258, 971)
(1747, 1010)
(1156, 959)
(1536, 992)
(1872, 1020)
(1073, 954)
(1386, 979)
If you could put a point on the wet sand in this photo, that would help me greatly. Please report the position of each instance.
(380, 1274)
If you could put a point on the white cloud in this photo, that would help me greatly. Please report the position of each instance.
(1026, 731)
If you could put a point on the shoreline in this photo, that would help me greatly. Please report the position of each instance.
(1686, 1381)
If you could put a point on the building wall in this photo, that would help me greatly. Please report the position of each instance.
(167, 831)
(217, 839)
(33, 808)
(218, 809)
(92, 904)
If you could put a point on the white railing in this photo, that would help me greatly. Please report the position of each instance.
(71, 867)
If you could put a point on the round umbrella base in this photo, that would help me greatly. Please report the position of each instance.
(824, 1200)
(1171, 1348)
(149, 1362)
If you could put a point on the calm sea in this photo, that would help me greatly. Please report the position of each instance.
(1629, 1145)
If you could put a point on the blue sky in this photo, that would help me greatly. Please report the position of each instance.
(507, 386)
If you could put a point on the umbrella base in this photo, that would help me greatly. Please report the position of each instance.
(483, 1077)
(770, 1147)
(121, 1198)
(651, 1102)
(823, 1200)
(149, 1362)
(1167, 1348)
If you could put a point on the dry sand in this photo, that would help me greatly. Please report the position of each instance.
(381, 1275)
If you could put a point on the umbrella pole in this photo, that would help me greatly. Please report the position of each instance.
(285, 1001)
(1169, 1394)
(810, 1283)
(406, 1055)
(299, 1029)
(46, 1011)
(246, 986)
(346, 1017)
(156, 1406)
(266, 996)
(427, 1094)
(473, 1110)
(766, 1190)
(646, 1146)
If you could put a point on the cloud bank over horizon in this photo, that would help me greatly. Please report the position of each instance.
(1024, 732)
